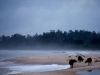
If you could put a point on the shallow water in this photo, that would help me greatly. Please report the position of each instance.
(6, 54)
(89, 72)
(9, 68)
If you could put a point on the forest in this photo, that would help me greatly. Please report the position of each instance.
(78, 39)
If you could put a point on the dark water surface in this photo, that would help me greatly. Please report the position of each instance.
(89, 72)
(9, 67)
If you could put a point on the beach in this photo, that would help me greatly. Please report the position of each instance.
(56, 59)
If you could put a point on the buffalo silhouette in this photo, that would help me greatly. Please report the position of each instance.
(89, 61)
(71, 62)
(80, 59)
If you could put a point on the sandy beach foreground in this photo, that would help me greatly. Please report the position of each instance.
(61, 59)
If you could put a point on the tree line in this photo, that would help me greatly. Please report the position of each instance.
(54, 39)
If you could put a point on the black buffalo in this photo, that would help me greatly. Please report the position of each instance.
(80, 59)
(71, 62)
(89, 61)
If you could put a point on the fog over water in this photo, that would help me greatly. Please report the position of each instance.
(6, 54)
(12, 68)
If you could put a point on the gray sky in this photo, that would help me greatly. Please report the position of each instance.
(38, 16)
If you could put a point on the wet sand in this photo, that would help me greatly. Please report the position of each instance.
(60, 59)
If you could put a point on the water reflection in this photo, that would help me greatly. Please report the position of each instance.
(89, 72)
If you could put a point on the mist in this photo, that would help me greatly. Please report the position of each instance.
(53, 40)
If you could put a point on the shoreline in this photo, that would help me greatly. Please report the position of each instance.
(57, 59)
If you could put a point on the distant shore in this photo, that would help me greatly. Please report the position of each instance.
(58, 59)
(54, 48)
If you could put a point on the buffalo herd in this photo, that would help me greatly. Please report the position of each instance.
(80, 59)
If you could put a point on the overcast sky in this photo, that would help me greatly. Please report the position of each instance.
(38, 16)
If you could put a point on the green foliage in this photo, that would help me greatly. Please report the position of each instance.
(71, 39)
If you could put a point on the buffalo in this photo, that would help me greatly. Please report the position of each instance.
(89, 61)
(80, 59)
(71, 62)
